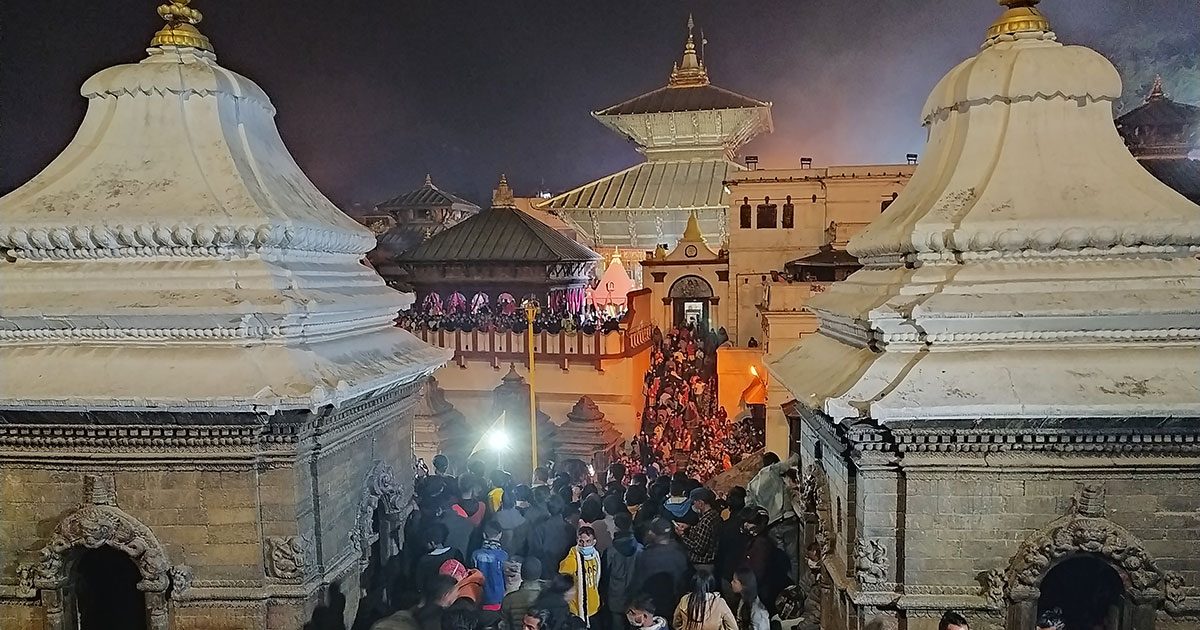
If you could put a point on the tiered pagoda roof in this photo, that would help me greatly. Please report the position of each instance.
(689, 131)
(428, 196)
(1162, 133)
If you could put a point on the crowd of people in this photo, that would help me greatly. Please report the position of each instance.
(684, 429)
(509, 317)
(569, 552)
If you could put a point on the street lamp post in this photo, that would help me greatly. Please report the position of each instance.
(531, 312)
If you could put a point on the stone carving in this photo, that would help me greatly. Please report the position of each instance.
(181, 580)
(285, 557)
(25, 585)
(1173, 593)
(870, 562)
(995, 583)
(814, 491)
(1084, 530)
(381, 487)
(691, 287)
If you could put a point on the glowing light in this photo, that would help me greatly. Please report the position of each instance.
(497, 439)
(753, 372)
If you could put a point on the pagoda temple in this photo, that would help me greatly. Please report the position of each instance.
(409, 219)
(204, 402)
(499, 257)
(690, 132)
(1000, 413)
(1162, 134)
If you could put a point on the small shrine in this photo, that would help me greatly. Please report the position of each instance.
(827, 265)
(1162, 134)
(494, 260)
(586, 432)
(511, 398)
(612, 292)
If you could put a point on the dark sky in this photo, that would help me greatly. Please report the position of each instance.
(371, 95)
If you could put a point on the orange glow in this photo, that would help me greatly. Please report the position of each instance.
(753, 372)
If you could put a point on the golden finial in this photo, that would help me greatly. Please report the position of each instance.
(181, 27)
(690, 72)
(1021, 16)
(428, 180)
(1156, 90)
(503, 195)
(692, 231)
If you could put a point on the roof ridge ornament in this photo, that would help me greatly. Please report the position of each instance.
(690, 71)
(503, 195)
(1021, 16)
(180, 29)
(1156, 90)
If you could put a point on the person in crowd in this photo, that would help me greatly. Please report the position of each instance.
(517, 603)
(460, 616)
(751, 613)
(468, 504)
(582, 562)
(556, 595)
(616, 472)
(437, 553)
(762, 557)
(700, 539)
(640, 615)
(510, 520)
(500, 480)
(617, 566)
(1051, 619)
(635, 496)
(489, 560)
(536, 619)
(678, 504)
(703, 608)
(441, 465)
(735, 500)
(459, 530)
(550, 538)
(952, 620)
(469, 582)
(438, 596)
(767, 488)
(591, 514)
(662, 567)
(541, 477)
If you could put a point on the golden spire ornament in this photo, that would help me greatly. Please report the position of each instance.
(1021, 16)
(690, 72)
(181, 27)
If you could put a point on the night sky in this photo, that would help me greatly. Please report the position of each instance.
(372, 95)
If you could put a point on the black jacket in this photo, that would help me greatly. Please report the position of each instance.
(661, 572)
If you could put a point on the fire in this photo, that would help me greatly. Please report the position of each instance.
(753, 372)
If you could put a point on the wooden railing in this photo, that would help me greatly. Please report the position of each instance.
(499, 347)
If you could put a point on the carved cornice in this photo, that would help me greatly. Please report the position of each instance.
(1043, 336)
(93, 242)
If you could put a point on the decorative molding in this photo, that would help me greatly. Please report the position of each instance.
(379, 485)
(1042, 336)
(94, 242)
(285, 557)
(995, 585)
(1085, 530)
(1065, 242)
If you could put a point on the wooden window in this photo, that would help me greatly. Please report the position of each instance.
(767, 213)
(745, 223)
(789, 214)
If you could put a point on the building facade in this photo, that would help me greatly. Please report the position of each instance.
(1162, 134)
(200, 425)
(999, 413)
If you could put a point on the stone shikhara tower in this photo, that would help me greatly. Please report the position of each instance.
(204, 405)
(1001, 413)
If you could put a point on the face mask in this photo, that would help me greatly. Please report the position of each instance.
(588, 551)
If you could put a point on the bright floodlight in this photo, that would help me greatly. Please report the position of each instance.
(497, 439)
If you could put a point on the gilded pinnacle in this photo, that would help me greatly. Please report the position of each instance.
(1021, 16)
(180, 29)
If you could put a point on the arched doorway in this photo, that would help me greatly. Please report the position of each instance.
(1088, 591)
(690, 297)
(106, 592)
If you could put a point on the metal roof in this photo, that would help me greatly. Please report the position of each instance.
(682, 99)
(499, 234)
(1181, 174)
(427, 196)
(827, 256)
(1160, 111)
(654, 185)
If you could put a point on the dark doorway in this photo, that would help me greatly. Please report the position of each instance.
(106, 591)
(690, 297)
(1089, 592)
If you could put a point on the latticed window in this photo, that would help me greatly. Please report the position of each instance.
(767, 214)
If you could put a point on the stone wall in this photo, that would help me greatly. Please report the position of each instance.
(262, 527)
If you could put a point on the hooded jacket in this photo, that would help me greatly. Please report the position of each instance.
(586, 572)
(678, 506)
(619, 561)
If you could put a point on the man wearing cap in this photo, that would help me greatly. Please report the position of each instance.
(700, 539)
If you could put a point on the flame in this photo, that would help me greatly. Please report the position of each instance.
(753, 372)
